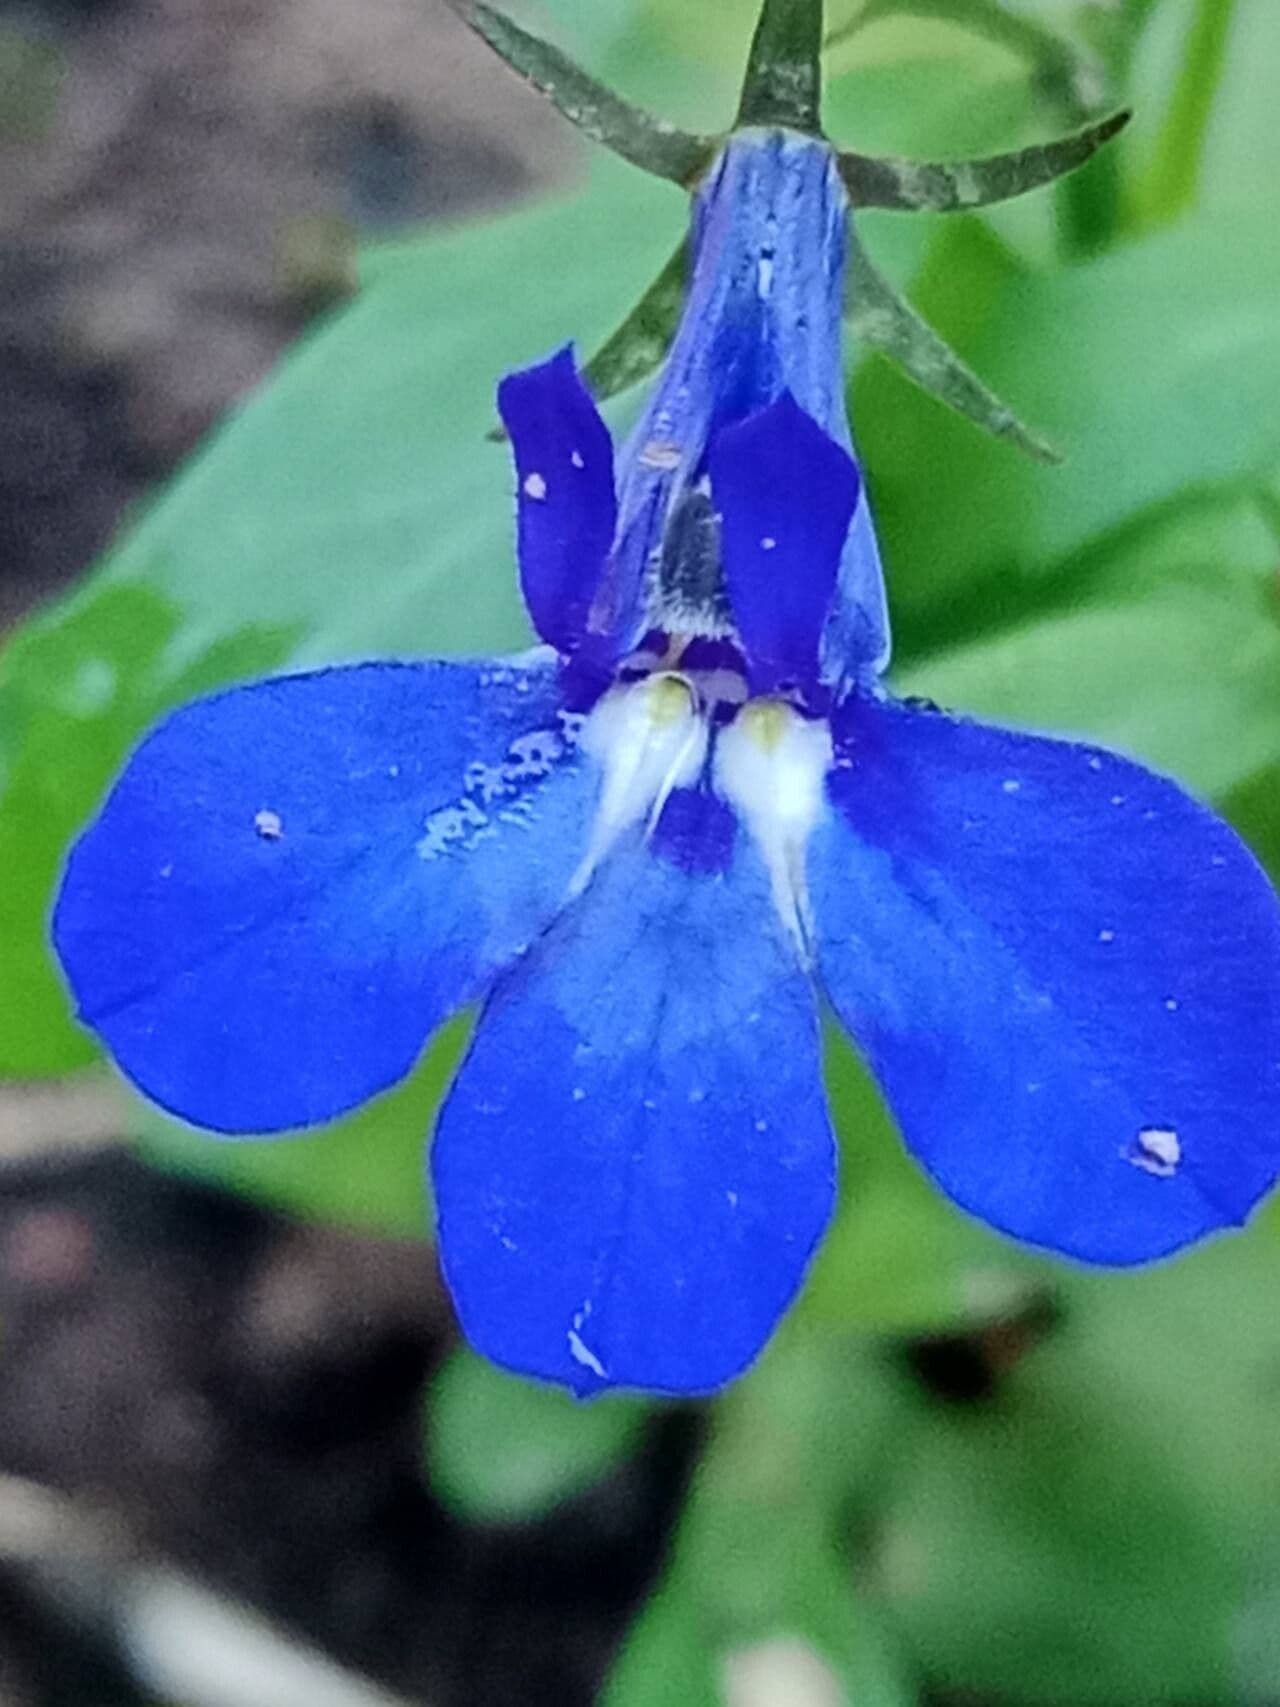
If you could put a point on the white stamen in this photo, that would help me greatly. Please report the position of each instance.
(649, 740)
(771, 764)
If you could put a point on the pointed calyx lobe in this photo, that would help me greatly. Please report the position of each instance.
(783, 82)
(956, 185)
(629, 131)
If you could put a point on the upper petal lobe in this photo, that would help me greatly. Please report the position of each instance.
(566, 506)
(292, 883)
(635, 1162)
(1064, 972)
(786, 495)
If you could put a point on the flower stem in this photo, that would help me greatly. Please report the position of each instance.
(1174, 177)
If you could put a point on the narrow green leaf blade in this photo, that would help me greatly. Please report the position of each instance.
(783, 83)
(630, 132)
(888, 323)
(951, 186)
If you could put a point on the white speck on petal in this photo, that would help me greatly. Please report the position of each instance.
(579, 1350)
(393, 770)
(764, 277)
(1106, 936)
(451, 825)
(1095, 763)
(1117, 799)
(579, 1095)
(768, 543)
(166, 870)
(1157, 1151)
(762, 1125)
(535, 486)
(582, 1353)
(268, 824)
(1011, 785)
(1171, 1004)
(575, 457)
(731, 1198)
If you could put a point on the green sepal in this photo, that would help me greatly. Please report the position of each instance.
(639, 346)
(783, 84)
(949, 186)
(885, 321)
(629, 131)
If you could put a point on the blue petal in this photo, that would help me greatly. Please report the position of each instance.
(294, 882)
(635, 1162)
(1064, 972)
(786, 495)
(566, 504)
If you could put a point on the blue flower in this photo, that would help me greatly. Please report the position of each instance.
(655, 845)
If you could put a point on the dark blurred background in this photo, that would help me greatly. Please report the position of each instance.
(182, 184)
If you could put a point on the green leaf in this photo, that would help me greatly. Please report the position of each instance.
(335, 517)
(759, 1595)
(502, 1450)
(1172, 654)
(1086, 1538)
(783, 82)
(1155, 367)
(633, 134)
(959, 185)
(885, 321)
(366, 1171)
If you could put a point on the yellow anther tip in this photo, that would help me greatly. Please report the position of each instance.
(766, 722)
(670, 699)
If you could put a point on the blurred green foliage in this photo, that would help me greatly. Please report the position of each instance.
(1101, 1529)
(502, 1451)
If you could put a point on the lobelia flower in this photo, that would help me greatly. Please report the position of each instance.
(656, 846)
